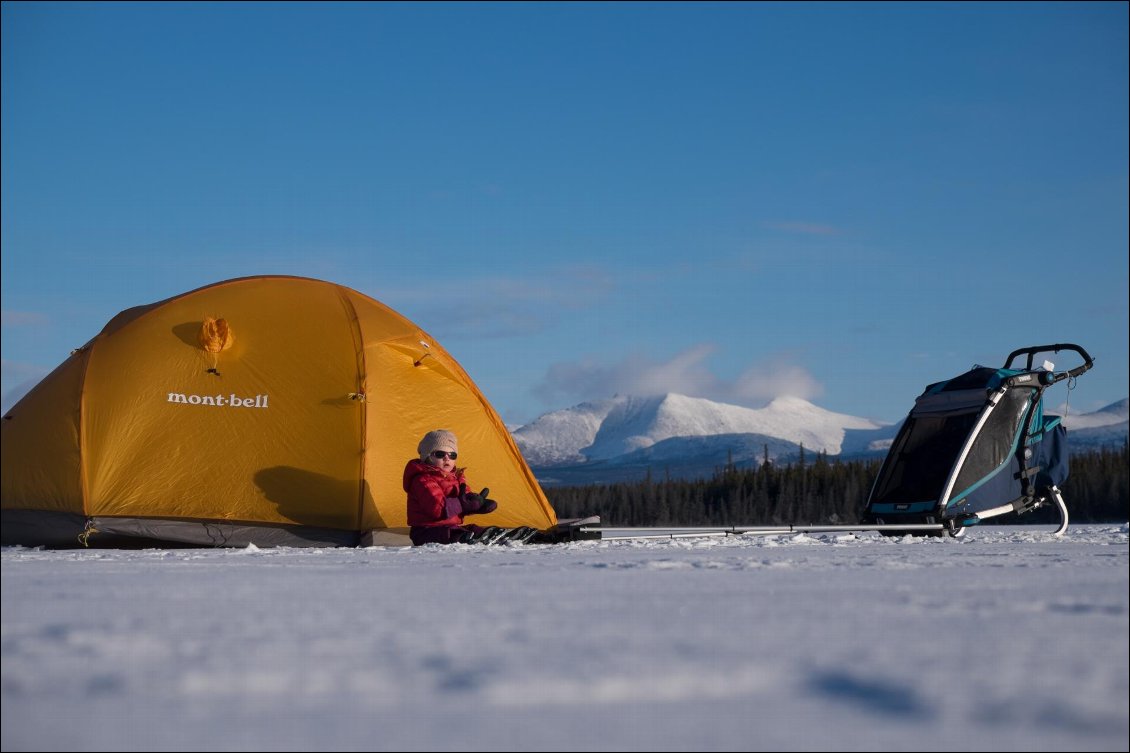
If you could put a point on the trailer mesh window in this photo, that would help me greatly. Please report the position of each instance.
(922, 457)
(995, 443)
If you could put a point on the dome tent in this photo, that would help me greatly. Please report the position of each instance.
(267, 410)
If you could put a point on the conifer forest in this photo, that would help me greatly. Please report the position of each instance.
(817, 491)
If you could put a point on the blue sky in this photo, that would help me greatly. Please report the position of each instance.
(840, 201)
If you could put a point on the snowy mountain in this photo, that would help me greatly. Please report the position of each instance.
(557, 438)
(1106, 427)
(1111, 415)
(676, 457)
(622, 425)
(625, 438)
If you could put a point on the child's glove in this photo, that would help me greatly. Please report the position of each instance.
(489, 505)
(478, 504)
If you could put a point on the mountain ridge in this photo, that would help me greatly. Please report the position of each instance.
(605, 429)
(628, 437)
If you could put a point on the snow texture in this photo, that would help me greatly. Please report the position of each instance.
(1009, 639)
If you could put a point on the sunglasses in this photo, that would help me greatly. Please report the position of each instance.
(440, 455)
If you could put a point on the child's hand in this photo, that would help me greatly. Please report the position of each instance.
(489, 505)
(478, 504)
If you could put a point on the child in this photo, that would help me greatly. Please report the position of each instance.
(438, 496)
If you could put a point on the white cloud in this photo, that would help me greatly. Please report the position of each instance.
(687, 373)
(776, 377)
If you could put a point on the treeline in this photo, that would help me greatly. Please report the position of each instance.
(817, 492)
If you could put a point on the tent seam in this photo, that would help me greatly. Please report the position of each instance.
(87, 353)
(362, 378)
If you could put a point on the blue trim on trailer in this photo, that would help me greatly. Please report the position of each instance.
(985, 479)
(1050, 422)
(992, 382)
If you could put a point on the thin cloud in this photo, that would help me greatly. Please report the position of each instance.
(803, 228)
(23, 319)
(777, 377)
(503, 306)
(23, 376)
(687, 373)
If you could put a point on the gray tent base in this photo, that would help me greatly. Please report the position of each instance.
(60, 530)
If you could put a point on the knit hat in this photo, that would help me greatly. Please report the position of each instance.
(440, 439)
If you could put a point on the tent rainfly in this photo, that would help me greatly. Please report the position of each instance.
(262, 410)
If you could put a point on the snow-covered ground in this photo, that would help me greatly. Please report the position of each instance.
(1009, 639)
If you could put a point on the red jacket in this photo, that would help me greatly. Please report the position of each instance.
(428, 489)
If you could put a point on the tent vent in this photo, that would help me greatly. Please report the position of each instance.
(215, 335)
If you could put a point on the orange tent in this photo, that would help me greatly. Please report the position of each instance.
(266, 410)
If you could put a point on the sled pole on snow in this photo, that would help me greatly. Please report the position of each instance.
(614, 533)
